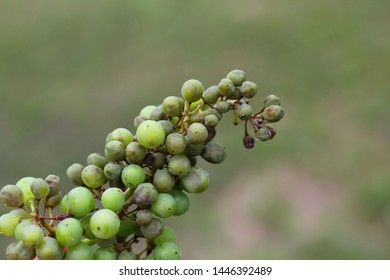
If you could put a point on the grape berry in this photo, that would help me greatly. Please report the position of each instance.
(120, 197)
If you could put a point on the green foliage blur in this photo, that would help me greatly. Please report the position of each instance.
(72, 71)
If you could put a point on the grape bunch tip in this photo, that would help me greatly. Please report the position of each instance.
(121, 196)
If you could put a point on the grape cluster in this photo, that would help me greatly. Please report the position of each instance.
(122, 195)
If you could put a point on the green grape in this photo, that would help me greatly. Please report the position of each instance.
(248, 89)
(237, 77)
(79, 201)
(175, 143)
(145, 194)
(150, 134)
(264, 133)
(40, 188)
(197, 181)
(271, 100)
(182, 202)
(244, 111)
(8, 224)
(168, 127)
(192, 90)
(114, 150)
(93, 176)
(24, 185)
(18, 251)
(197, 133)
(54, 182)
(85, 225)
(126, 255)
(69, 232)
(237, 94)
(173, 106)
(273, 113)
(113, 199)
(20, 214)
(133, 175)
(80, 251)
(105, 243)
(211, 94)
(226, 87)
(168, 235)
(157, 114)
(222, 106)
(193, 150)
(97, 159)
(11, 195)
(126, 228)
(104, 254)
(196, 104)
(74, 173)
(113, 170)
(145, 112)
(49, 249)
(196, 117)
(143, 217)
(211, 120)
(121, 134)
(167, 251)
(32, 235)
(179, 165)
(159, 160)
(213, 111)
(138, 120)
(163, 180)
(135, 152)
(153, 229)
(104, 223)
(164, 205)
(64, 205)
(20, 227)
(214, 152)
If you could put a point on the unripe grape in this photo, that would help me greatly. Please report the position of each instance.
(121, 134)
(211, 120)
(112, 170)
(104, 223)
(69, 232)
(192, 90)
(271, 100)
(237, 77)
(145, 194)
(74, 173)
(40, 188)
(164, 205)
(211, 94)
(93, 176)
(24, 185)
(19, 251)
(80, 251)
(113, 199)
(53, 201)
(197, 133)
(143, 217)
(193, 150)
(222, 106)
(265, 133)
(79, 201)
(173, 106)
(49, 249)
(20, 214)
(153, 229)
(167, 251)
(145, 112)
(226, 87)
(168, 126)
(138, 120)
(104, 254)
(20, 227)
(157, 114)
(175, 143)
(237, 94)
(197, 181)
(248, 89)
(97, 159)
(54, 184)
(126, 255)
(114, 150)
(196, 104)
(105, 243)
(168, 235)
(8, 223)
(163, 180)
(182, 202)
(179, 165)
(150, 134)
(11, 195)
(64, 205)
(214, 152)
(32, 235)
(133, 175)
(135, 152)
(126, 228)
(273, 113)
(244, 111)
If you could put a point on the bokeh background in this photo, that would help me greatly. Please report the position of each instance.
(72, 71)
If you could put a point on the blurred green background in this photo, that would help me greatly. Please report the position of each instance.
(72, 71)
